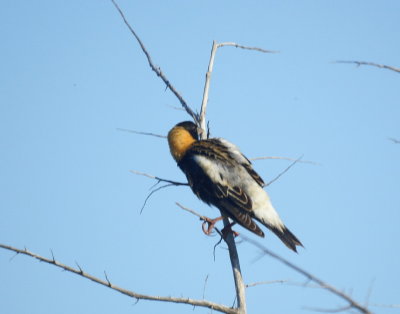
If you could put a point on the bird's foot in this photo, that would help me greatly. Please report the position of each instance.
(209, 224)
(225, 231)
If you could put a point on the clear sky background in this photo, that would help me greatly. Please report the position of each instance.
(71, 74)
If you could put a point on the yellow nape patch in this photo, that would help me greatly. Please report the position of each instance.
(179, 140)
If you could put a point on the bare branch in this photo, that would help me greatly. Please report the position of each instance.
(233, 254)
(202, 120)
(157, 70)
(283, 172)
(237, 273)
(246, 47)
(132, 294)
(352, 303)
(141, 133)
(191, 211)
(157, 178)
(169, 183)
(215, 46)
(337, 310)
(152, 192)
(259, 283)
(382, 66)
(286, 158)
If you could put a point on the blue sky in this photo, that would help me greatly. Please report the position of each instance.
(71, 75)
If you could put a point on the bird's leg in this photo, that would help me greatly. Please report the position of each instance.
(211, 223)
(228, 229)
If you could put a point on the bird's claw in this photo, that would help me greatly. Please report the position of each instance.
(210, 224)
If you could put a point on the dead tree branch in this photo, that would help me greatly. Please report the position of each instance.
(351, 302)
(268, 282)
(215, 46)
(157, 70)
(132, 294)
(382, 66)
(158, 178)
(141, 133)
(283, 172)
(286, 158)
(229, 239)
(245, 47)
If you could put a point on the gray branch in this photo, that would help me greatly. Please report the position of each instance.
(157, 70)
(381, 66)
(132, 294)
(351, 302)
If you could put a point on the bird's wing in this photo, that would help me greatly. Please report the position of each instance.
(215, 176)
(237, 155)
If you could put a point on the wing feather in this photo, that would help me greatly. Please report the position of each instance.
(212, 169)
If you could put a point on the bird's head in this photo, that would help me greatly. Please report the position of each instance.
(181, 137)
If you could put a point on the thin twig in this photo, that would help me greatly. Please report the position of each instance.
(157, 178)
(285, 158)
(246, 47)
(107, 283)
(354, 304)
(169, 183)
(382, 66)
(157, 70)
(283, 172)
(337, 310)
(152, 192)
(268, 282)
(204, 218)
(141, 133)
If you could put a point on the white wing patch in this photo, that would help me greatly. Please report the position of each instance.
(234, 151)
(237, 176)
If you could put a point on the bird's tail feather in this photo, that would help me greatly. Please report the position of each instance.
(287, 237)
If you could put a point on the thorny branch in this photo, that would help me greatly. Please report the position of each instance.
(245, 47)
(132, 294)
(382, 66)
(351, 302)
(157, 70)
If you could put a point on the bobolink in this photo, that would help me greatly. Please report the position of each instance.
(220, 175)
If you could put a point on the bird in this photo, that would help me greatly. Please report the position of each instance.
(220, 175)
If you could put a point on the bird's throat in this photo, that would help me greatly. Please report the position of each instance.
(179, 141)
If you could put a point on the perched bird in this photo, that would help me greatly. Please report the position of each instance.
(220, 175)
